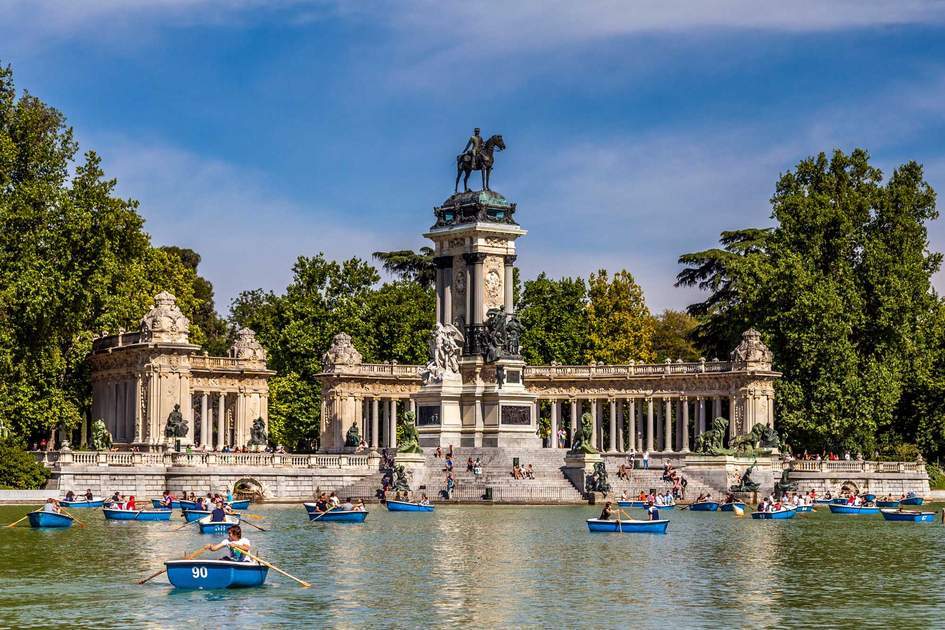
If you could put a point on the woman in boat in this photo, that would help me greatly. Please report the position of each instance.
(167, 501)
(237, 545)
(70, 496)
(360, 506)
(321, 504)
(52, 506)
(607, 512)
(130, 505)
(729, 498)
(625, 496)
(424, 500)
(653, 511)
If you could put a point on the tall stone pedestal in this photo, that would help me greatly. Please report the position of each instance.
(439, 419)
(578, 465)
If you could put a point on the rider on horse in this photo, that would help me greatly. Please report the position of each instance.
(473, 147)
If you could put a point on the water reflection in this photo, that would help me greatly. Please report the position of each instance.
(489, 566)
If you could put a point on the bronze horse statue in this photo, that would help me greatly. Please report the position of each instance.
(467, 163)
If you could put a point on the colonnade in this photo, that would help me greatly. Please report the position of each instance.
(223, 419)
(662, 424)
(375, 417)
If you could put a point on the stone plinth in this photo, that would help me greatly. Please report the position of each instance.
(578, 465)
(414, 465)
(439, 418)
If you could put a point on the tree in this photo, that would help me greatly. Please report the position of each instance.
(19, 470)
(74, 261)
(841, 291)
(620, 327)
(400, 316)
(554, 317)
(673, 334)
(416, 267)
(216, 340)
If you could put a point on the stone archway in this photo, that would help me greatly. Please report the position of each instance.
(848, 487)
(249, 488)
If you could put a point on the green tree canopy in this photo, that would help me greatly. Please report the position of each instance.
(416, 266)
(673, 336)
(841, 291)
(74, 261)
(620, 327)
(554, 316)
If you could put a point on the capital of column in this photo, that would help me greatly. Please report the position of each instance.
(510, 259)
(474, 258)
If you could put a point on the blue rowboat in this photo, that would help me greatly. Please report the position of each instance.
(627, 527)
(838, 501)
(188, 505)
(869, 497)
(853, 509)
(780, 515)
(912, 501)
(404, 506)
(195, 515)
(804, 508)
(823, 501)
(730, 507)
(887, 504)
(240, 505)
(156, 503)
(136, 515)
(908, 517)
(42, 519)
(337, 516)
(632, 504)
(217, 527)
(704, 506)
(214, 574)
(83, 503)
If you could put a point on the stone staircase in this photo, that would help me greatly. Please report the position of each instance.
(652, 479)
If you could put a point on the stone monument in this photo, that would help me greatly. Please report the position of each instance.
(473, 390)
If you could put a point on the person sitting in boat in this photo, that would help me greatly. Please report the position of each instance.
(730, 498)
(424, 500)
(642, 495)
(51, 506)
(218, 514)
(827, 495)
(167, 500)
(625, 496)
(359, 506)
(347, 506)
(653, 511)
(88, 494)
(321, 504)
(130, 503)
(607, 512)
(237, 545)
(334, 500)
(702, 497)
(70, 496)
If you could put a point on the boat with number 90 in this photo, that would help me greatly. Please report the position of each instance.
(215, 574)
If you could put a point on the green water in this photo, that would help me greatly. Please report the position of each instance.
(490, 566)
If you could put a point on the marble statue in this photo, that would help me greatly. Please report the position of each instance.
(446, 346)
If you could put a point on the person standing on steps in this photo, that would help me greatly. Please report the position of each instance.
(646, 460)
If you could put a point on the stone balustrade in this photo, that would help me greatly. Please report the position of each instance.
(63, 459)
(852, 466)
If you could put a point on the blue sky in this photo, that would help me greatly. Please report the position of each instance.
(255, 132)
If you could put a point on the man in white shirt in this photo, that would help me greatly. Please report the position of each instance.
(646, 460)
(238, 546)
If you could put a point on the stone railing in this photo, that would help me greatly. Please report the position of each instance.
(631, 369)
(200, 362)
(60, 459)
(393, 370)
(852, 466)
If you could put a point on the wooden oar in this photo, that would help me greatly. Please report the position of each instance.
(262, 529)
(164, 570)
(81, 524)
(252, 516)
(323, 514)
(275, 568)
(18, 520)
(184, 525)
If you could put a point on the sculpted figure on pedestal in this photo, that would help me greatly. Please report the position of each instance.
(410, 441)
(341, 352)
(477, 156)
(446, 346)
(176, 426)
(352, 437)
(583, 442)
(101, 438)
(257, 434)
(503, 333)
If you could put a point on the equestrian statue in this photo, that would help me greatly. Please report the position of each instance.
(477, 156)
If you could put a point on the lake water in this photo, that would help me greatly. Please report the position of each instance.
(489, 566)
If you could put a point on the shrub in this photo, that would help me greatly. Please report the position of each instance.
(18, 469)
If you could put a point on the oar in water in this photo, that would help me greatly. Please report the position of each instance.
(323, 514)
(262, 529)
(164, 570)
(81, 524)
(185, 525)
(275, 568)
(14, 523)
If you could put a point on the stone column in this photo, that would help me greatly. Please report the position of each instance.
(716, 407)
(612, 438)
(575, 418)
(555, 411)
(205, 440)
(509, 277)
(668, 426)
(448, 293)
(83, 432)
(413, 408)
(649, 424)
(221, 422)
(359, 417)
(474, 263)
(632, 422)
(620, 425)
(701, 416)
(685, 425)
(438, 289)
(732, 427)
(443, 294)
(393, 423)
(594, 421)
(375, 411)
(770, 400)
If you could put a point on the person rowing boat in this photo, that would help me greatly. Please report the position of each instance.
(237, 545)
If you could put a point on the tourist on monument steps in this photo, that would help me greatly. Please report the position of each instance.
(646, 460)
(623, 472)
(469, 464)
(529, 472)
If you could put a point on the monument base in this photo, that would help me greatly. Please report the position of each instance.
(578, 466)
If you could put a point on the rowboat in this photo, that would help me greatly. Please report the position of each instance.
(136, 515)
(823, 501)
(217, 527)
(909, 517)
(242, 504)
(730, 507)
(632, 504)
(779, 515)
(628, 527)
(869, 497)
(838, 501)
(887, 504)
(804, 508)
(912, 501)
(82, 503)
(213, 574)
(704, 506)
(40, 519)
(404, 506)
(188, 505)
(195, 515)
(157, 504)
(853, 509)
(337, 516)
